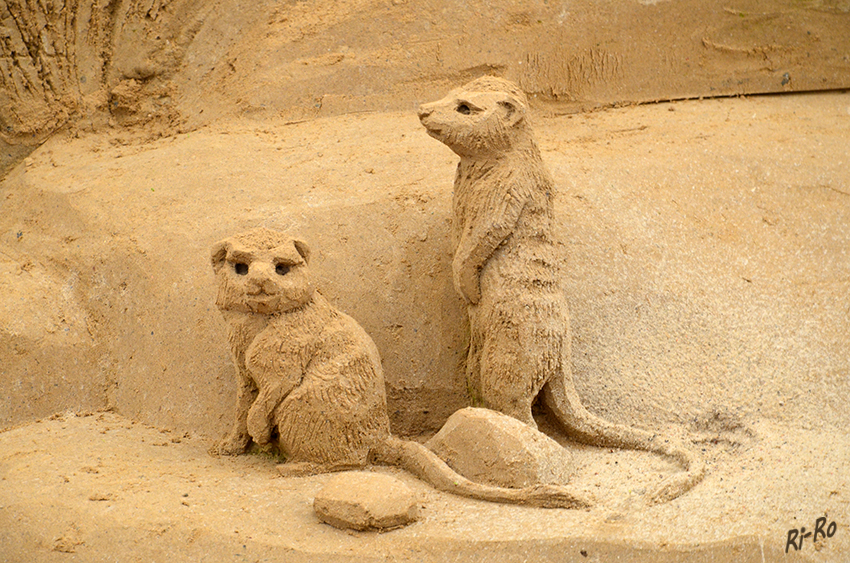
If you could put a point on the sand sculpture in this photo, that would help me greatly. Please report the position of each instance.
(506, 269)
(310, 378)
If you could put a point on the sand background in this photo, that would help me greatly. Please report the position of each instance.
(705, 248)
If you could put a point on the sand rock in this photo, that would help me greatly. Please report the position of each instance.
(489, 447)
(362, 501)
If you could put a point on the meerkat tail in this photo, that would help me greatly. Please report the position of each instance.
(425, 464)
(586, 427)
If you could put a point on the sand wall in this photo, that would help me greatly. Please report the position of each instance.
(705, 249)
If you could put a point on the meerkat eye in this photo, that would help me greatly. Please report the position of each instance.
(281, 269)
(240, 268)
(464, 109)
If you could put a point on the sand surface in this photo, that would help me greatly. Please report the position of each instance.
(100, 487)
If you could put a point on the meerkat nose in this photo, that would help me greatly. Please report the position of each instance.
(424, 111)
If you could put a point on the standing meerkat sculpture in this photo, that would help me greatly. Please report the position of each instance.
(506, 269)
(310, 377)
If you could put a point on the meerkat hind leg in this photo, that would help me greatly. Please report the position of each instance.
(473, 371)
(238, 439)
(504, 370)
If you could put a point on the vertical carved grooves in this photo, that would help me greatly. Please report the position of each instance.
(39, 58)
(23, 74)
(38, 63)
(567, 75)
(101, 31)
(108, 22)
(47, 47)
(71, 8)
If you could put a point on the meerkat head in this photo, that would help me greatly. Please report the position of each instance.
(486, 117)
(262, 271)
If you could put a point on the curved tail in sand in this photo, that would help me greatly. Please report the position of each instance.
(425, 464)
(587, 428)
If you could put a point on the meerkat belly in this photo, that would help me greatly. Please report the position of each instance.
(339, 409)
(524, 269)
(522, 301)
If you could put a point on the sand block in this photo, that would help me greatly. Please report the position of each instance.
(489, 447)
(361, 501)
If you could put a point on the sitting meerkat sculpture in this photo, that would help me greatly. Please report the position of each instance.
(506, 269)
(310, 377)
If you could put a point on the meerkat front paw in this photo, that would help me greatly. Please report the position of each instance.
(466, 283)
(259, 425)
(232, 444)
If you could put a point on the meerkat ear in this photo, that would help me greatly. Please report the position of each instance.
(514, 111)
(302, 249)
(218, 254)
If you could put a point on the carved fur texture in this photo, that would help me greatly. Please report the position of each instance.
(506, 268)
(310, 377)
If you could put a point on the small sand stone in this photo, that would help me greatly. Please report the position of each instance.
(362, 501)
(489, 447)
